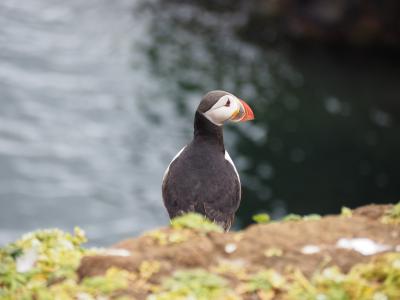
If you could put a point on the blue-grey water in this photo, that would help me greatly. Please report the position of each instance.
(76, 147)
(97, 96)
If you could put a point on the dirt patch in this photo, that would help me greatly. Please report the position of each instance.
(308, 246)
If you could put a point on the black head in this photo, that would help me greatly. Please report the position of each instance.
(210, 99)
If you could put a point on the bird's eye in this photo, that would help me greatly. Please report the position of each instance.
(228, 103)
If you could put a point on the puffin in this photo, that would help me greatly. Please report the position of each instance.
(202, 177)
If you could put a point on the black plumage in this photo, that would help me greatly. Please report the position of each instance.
(201, 179)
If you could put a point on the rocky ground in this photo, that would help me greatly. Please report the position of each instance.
(355, 255)
(307, 245)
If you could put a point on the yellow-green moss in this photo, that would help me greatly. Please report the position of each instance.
(42, 265)
(163, 238)
(267, 280)
(346, 212)
(264, 218)
(379, 279)
(393, 215)
(114, 279)
(196, 222)
(184, 227)
(261, 218)
(194, 284)
(295, 217)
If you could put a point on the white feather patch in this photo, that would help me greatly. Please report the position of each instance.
(175, 157)
(219, 112)
(229, 159)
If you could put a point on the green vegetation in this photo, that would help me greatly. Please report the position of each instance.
(163, 238)
(295, 217)
(292, 217)
(393, 215)
(194, 284)
(196, 222)
(42, 266)
(346, 212)
(311, 217)
(261, 218)
(267, 282)
(379, 279)
(264, 218)
(183, 228)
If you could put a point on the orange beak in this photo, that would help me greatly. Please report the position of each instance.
(244, 113)
(248, 112)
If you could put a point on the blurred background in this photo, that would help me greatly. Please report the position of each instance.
(97, 96)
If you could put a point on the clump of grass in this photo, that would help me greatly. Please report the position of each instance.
(114, 279)
(40, 257)
(296, 217)
(346, 212)
(148, 268)
(184, 227)
(379, 279)
(196, 222)
(231, 269)
(273, 252)
(262, 218)
(194, 284)
(269, 282)
(311, 217)
(42, 265)
(393, 215)
(163, 238)
(292, 217)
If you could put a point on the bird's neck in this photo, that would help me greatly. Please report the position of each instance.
(206, 131)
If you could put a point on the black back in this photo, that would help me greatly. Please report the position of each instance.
(200, 179)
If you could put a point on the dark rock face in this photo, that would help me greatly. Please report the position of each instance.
(367, 23)
(349, 22)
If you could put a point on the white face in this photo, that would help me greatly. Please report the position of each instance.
(226, 107)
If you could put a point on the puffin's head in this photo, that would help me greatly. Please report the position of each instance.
(221, 106)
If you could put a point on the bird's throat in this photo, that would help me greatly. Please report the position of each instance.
(206, 131)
